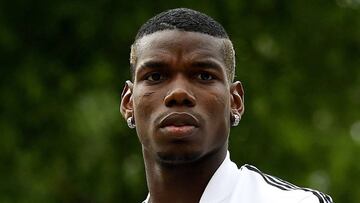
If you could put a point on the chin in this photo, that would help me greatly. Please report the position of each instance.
(177, 158)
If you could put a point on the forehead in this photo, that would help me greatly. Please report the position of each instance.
(180, 45)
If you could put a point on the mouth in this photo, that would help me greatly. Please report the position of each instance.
(179, 124)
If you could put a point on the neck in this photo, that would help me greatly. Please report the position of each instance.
(183, 182)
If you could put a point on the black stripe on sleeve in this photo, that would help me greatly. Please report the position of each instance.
(264, 177)
(323, 198)
(290, 185)
(284, 185)
(277, 181)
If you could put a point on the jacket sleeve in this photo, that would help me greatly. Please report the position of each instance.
(317, 197)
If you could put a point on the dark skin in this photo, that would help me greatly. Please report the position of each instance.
(183, 104)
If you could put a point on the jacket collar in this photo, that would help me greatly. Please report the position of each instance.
(221, 183)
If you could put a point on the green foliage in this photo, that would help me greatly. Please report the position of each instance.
(63, 64)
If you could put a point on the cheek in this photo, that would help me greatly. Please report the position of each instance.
(218, 118)
(143, 112)
(143, 106)
(217, 103)
(218, 110)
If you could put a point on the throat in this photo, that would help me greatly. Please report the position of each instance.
(186, 182)
(187, 189)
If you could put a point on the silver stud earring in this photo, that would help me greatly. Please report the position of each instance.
(236, 120)
(131, 122)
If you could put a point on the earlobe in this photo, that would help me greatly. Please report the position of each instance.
(237, 98)
(126, 105)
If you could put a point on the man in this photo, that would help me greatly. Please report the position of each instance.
(182, 101)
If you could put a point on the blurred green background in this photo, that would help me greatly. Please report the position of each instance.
(63, 65)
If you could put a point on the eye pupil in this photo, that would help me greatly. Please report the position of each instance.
(155, 77)
(205, 76)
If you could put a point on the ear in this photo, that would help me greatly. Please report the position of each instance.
(126, 105)
(237, 98)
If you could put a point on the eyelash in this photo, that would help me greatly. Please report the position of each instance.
(162, 77)
(148, 76)
(212, 77)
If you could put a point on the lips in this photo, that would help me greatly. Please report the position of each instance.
(179, 119)
(179, 125)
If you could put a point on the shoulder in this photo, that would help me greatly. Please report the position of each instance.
(277, 189)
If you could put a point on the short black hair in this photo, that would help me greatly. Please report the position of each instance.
(187, 20)
(182, 19)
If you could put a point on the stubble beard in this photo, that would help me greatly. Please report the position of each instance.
(177, 159)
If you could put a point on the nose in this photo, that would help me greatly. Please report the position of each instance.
(180, 96)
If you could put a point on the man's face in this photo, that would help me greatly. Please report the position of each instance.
(180, 97)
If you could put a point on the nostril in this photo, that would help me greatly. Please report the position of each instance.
(179, 97)
(184, 102)
(188, 103)
(171, 103)
(179, 102)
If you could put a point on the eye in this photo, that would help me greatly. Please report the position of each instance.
(154, 77)
(205, 76)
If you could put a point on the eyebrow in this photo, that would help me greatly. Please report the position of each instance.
(153, 65)
(206, 64)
